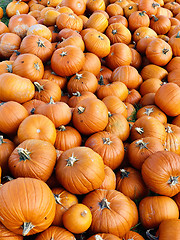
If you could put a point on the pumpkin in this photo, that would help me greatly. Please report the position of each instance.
(159, 52)
(151, 85)
(94, 5)
(46, 89)
(31, 105)
(92, 63)
(80, 163)
(168, 103)
(173, 77)
(40, 204)
(58, 112)
(9, 42)
(142, 44)
(148, 127)
(160, 172)
(77, 97)
(176, 121)
(13, 7)
(83, 217)
(133, 97)
(6, 148)
(143, 32)
(177, 200)
(55, 233)
(153, 71)
(160, 24)
(106, 205)
(173, 64)
(50, 17)
(128, 75)
(129, 9)
(172, 138)
(104, 236)
(98, 21)
(19, 89)
(133, 235)
(67, 61)
(28, 65)
(135, 213)
(24, 161)
(109, 182)
(118, 19)
(64, 200)
(81, 82)
(97, 43)
(3, 28)
(147, 99)
(90, 115)
(138, 19)
(149, 6)
(38, 46)
(119, 55)
(67, 137)
(77, 6)
(40, 30)
(20, 23)
(6, 234)
(37, 126)
(114, 9)
(130, 183)
(6, 67)
(11, 115)
(105, 143)
(168, 229)
(154, 209)
(136, 59)
(141, 149)
(152, 111)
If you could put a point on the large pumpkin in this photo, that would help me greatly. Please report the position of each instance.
(80, 170)
(111, 212)
(161, 172)
(31, 194)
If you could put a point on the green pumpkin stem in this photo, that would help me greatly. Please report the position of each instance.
(24, 154)
(104, 204)
(27, 226)
(124, 173)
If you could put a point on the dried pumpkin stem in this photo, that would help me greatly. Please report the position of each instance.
(1, 139)
(57, 198)
(139, 130)
(173, 181)
(78, 76)
(77, 94)
(38, 87)
(141, 144)
(37, 67)
(150, 236)
(9, 68)
(83, 213)
(24, 154)
(51, 101)
(81, 109)
(165, 50)
(106, 141)
(63, 54)
(41, 43)
(104, 204)
(61, 128)
(27, 226)
(114, 31)
(148, 111)
(101, 80)
(71, 160)
(168, 129)
(124, 173)
(98, 237)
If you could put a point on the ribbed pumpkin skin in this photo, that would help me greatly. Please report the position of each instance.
(169, 229)
(5, 234)
(15, 88)
(111, 212)
(33, 202)
(80, 170)
(55, 233)
(41, 162)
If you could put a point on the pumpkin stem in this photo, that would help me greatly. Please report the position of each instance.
(114, 31)
(168, 129)
(173, 181)
(139, 130)
(165, 50)
(106, 141)
(97, 237)
(38, 87)
(150, 236)
(78, 76)
(9, 68)
(1, 139)
(130, 8)
(77, 94)
(51, 101)
(56, 29)
(155, 18)
(7, 178)
(27, 226)
(2, 103)
(109, 114)
(148, 111)
(17, 52)
(57, 198)
(141, 144)
(61, 128)
(24, 154)
(71, 160)
(40, 43)
(142, 13)
(63, 54)
(155, 5)
(101, 80)
(124, 173)
(81, 109)
(101, 37)
(104, 204)
(17, 11)
(178, 35)
(32, 110)
(83, 213)
(37, 67)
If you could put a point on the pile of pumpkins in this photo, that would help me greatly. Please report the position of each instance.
(90, 120)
